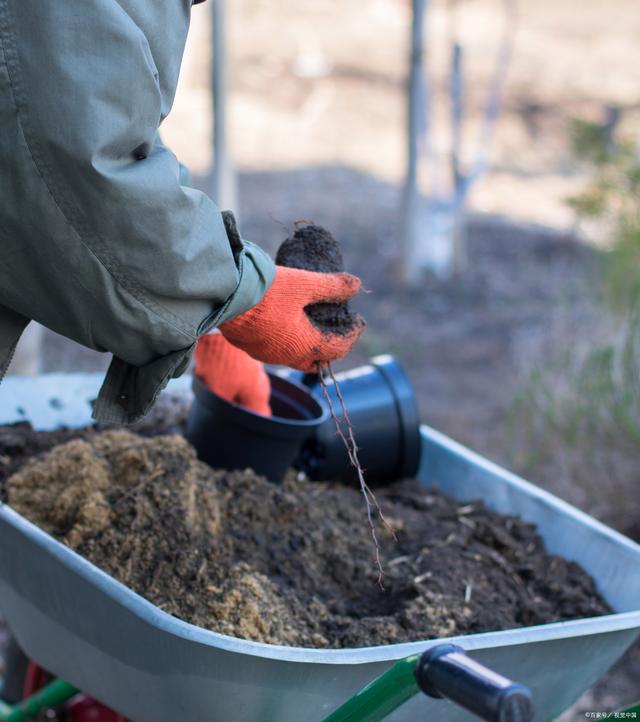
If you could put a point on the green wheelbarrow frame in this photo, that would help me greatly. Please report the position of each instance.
(499, 699)
(54, 695)
(441, 671)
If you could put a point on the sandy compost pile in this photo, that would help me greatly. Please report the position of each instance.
(292, 564)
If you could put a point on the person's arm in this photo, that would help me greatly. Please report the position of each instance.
(91, 83)
(100, 242)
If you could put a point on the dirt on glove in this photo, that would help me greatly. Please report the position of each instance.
(292, 564)
(313, 248)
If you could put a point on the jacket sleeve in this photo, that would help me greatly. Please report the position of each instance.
(92, 82)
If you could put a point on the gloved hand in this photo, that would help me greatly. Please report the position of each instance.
(278, 331)
(232, 374)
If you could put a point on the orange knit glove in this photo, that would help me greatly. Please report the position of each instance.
(278, 331)
(232, 374)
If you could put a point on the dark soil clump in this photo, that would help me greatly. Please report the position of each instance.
(292, 564)
(313, 248)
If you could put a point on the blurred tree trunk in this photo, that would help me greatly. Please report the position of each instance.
(433, 226)
(409, 270)
(223, 180)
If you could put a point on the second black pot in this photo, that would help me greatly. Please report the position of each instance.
(384, 414)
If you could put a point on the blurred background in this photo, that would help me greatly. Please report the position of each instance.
(478, 160)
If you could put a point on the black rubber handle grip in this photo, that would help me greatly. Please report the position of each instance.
(446, 671)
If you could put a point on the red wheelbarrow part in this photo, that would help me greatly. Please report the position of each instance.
(83, 708)
(80, 708)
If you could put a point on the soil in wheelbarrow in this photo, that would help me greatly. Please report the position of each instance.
(291, 564)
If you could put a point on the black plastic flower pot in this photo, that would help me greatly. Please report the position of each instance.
(229, 436)
(384, 414)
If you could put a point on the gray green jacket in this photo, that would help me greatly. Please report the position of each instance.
(98, 239)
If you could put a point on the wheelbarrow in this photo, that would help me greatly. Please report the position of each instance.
(100, 637)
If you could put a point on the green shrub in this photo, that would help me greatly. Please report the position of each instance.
(575, 424)
(612, 197)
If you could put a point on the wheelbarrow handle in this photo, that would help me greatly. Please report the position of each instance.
(446, 671)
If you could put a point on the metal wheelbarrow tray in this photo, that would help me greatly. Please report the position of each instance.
(89, 629)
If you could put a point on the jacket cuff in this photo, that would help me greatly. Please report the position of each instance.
(128, 392)
(256, 273)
